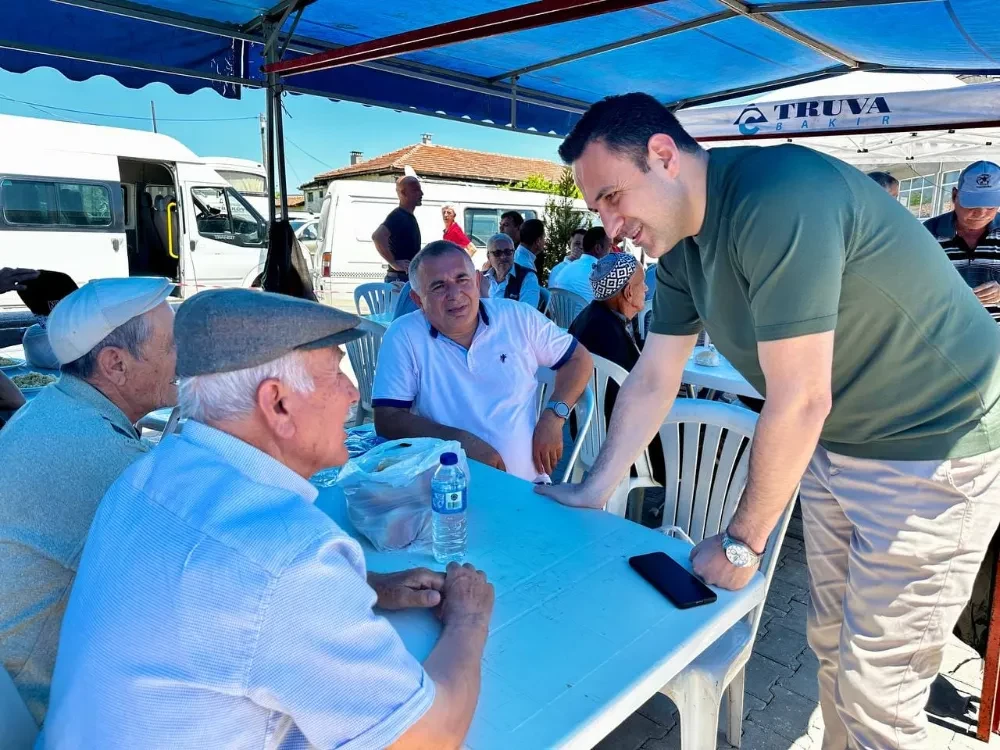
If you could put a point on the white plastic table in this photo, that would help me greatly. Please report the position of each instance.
(724, 378)
(578, 641)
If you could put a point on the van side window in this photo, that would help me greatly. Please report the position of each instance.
(482, 223)
(55, 204)
(223, 215)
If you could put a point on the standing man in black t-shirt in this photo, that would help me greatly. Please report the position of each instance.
(397, 239)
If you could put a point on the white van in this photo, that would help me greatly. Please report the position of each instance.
(250, 179)
(353, 209)
(94, 201)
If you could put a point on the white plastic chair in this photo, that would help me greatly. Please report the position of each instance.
(17, 727)
(584, 411)
(363, 354)
(606, 371)
(564, 306)
(378, 297)
(707, 463)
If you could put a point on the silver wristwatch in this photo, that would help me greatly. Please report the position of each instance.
(738, 553)
(559, 408)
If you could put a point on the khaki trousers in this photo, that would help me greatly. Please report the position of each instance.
(893, 548)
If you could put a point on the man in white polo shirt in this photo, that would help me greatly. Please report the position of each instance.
(464, 369)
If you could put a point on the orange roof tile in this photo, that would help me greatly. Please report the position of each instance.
(432, 160)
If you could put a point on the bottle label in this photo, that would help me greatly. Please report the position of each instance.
(449, 502)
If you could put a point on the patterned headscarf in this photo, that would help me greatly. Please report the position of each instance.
(611, 274)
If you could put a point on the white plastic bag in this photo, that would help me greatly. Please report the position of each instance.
(388, 491)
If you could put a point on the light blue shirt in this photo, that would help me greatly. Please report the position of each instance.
(216, 606)
(58, 456)
(524, 257)
(530, 290)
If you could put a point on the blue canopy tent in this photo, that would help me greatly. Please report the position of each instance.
(532, 67)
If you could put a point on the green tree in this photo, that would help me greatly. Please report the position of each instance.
(561, 217)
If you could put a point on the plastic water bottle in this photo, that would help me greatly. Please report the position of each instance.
(449, 500)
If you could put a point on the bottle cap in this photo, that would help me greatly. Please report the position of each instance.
(449, 459)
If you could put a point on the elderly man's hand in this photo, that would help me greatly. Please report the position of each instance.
(547, 443)
(468, 597)
(419, 588)
(12, 279)
(481, 451)
(714, 568)
(988, 293)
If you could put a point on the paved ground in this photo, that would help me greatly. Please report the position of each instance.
(781, 711)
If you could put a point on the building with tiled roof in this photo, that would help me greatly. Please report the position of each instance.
(431, 161)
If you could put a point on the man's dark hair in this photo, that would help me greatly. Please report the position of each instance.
(581, 230)
(625, 124)
(531, 230)
(884, 179)
(514, 216)
(593, 239)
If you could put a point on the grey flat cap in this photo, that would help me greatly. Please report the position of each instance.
(222, 330)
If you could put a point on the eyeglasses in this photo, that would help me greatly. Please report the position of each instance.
(502, 253)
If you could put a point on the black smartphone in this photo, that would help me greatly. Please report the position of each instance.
(672, 580)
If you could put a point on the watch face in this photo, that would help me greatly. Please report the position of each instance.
(739, 555)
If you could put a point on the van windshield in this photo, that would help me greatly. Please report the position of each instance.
(247, 183)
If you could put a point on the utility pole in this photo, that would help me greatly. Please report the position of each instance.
(152, 111)
(262, 120)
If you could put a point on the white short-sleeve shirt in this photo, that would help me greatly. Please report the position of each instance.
(489, 389)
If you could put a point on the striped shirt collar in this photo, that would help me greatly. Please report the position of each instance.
(248, 460)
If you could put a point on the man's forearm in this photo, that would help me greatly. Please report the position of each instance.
(572, 377)
(396, 424)
(455, 666)
(783, 443)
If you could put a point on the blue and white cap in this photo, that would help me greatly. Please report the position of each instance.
(979, 185)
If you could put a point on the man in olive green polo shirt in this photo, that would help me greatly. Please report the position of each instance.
(880, 372)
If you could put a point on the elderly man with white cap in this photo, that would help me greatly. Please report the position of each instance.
(216, 606)
(61, 452)
(970, 234)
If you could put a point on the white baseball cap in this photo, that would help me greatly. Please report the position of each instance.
(84, 318)
(979, 185)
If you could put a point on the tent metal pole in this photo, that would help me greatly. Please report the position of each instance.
(279, 151)
(271, 182)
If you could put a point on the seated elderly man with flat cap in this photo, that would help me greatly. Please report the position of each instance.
(216, 606)
(61, 452)
(464, 368)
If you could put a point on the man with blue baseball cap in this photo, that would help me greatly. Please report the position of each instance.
(970, 234)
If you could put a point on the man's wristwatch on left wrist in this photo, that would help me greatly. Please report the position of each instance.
(559, 408)
(739, 553)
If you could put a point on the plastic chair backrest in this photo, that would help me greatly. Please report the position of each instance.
(584, 411)
(605, 371)
(706, 454)
(543, 300)
(564, 307)
(17, 727)
(377, 296)
(363, 354)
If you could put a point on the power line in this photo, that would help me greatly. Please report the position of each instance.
(314, 158)
(46, 107)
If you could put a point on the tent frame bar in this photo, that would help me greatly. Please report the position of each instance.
(769, 22)
(538, 14)
(754, 9)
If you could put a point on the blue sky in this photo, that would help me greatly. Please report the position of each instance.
(319, 134)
